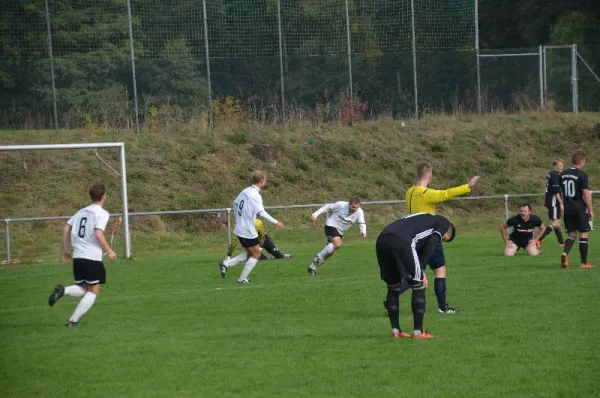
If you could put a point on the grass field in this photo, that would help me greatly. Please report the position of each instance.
(166, 324)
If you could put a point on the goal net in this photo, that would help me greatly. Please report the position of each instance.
(44, 185)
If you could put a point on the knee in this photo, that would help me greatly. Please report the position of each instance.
(532, 250)
(510, 249)
(440, 272)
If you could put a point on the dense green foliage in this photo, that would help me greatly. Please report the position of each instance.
(91, 49)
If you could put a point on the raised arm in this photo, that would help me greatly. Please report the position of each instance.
(442, 195)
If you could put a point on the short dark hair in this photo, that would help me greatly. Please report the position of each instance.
(423, 169)
(453, 234)
(355, 200)
(577, 157)
(526, 205)
(97, 191)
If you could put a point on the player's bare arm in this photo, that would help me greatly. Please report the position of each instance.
(66, 253)
(503, 232)
(104, 244)
(473, 181)
(541, 232)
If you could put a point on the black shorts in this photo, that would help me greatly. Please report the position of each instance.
(90, 272)
(246, 243)
(331, 232)
(554, 212)
(521, 244)
(396, 260)
(577, 221)
(437, 260)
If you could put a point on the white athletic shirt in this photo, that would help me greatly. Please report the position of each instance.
(340, 217)
(84, 224)
(247, 206)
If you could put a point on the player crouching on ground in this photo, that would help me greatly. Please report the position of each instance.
(522, 237)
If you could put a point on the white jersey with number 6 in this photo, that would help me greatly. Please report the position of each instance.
(83, 238)
(246, 206)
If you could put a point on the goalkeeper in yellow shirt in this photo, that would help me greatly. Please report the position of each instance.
(265, 243)
(422, 199)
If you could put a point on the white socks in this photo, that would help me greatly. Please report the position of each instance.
(235, 260)
(84, 305)
(326, 251)
(248, 268)
(74, 291)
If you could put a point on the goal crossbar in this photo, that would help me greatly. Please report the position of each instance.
(123, 169)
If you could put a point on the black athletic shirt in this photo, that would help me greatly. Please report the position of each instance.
(523, 230)
(572, 183)
(552, 188)
(416, 227)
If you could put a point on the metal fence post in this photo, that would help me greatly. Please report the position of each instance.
(506, 207)
(574, 86)
(414, 56)
(541, 68)
(7, 241)
(132, 54)
(211, 120)
(283, 119)
(351, 100)
(479, 110)
(545, 70)
(51, 65)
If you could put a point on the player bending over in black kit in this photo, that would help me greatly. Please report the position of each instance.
(403, 249)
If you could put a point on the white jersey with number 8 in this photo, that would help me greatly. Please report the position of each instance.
(84, 225)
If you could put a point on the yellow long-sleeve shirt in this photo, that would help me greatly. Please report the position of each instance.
(260, 229)
(422, 200)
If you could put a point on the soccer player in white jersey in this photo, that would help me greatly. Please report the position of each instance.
(85, 230)
(246, 207)
(342, 215)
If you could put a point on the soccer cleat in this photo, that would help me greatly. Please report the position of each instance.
(58, 292)
(312, 271)
(72, 324)
(317, 261)
(286, 256)
(561, 245)
(400, 335)
(564, 260)
(449, 310)
(423, 335)
(223, 269)
(586, 266)
(245, 281)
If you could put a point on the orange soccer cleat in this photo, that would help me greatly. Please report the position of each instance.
(564, 260)
(400, 335)
(586, 266)
(424, 335)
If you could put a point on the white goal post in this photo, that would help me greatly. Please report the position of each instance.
(123, 172)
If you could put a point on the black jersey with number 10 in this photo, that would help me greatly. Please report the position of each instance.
(572, 183)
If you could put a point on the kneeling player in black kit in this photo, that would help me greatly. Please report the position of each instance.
(403, 249)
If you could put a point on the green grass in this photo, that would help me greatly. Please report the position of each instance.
(166, 324)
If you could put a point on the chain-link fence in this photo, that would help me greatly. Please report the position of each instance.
(161, 64)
